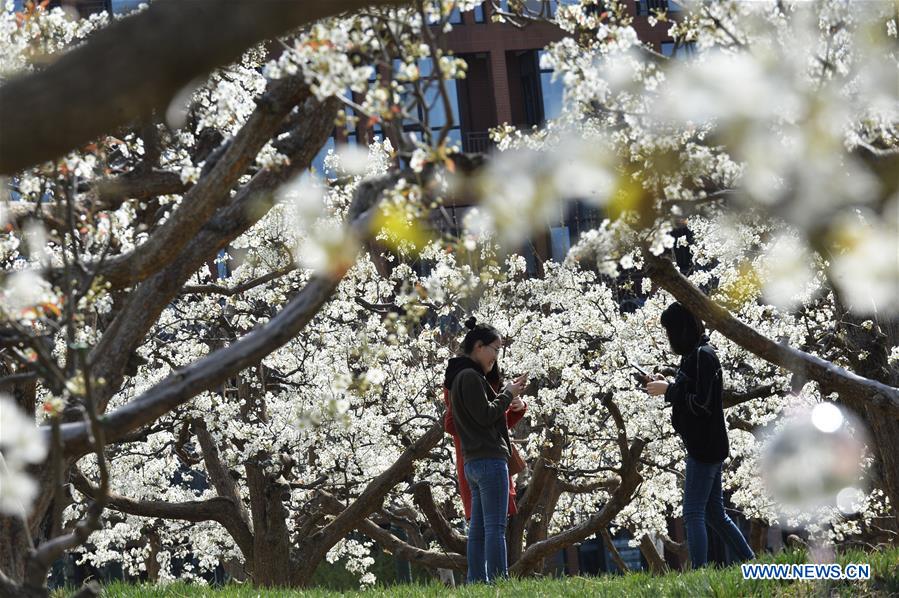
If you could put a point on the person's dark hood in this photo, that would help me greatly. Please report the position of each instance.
(703, 340)
(456, 365)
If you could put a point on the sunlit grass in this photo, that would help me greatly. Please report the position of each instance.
(706, 582)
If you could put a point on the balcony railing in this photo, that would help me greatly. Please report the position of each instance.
(476, 142)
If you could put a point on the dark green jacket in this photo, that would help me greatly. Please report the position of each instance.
(478, 413)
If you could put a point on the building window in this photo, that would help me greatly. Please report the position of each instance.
(88, 7)
(318, 163)
(433, 106)
(124, 6)
(535, 96)
(556, 4)
(685, 50)
(560, 243)
(582, 216)
(649, 7)
(528, 90)
(479, 14)
(456, 17)
(535, 7)
(552, 91)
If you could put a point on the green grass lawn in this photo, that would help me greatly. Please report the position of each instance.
(707, 582)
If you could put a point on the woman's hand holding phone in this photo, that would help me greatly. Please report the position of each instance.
(657, 386)
(517, 386)
(640, 375)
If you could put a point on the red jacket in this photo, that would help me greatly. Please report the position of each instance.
(512, 418)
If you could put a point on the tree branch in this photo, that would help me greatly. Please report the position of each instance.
(135, 66)
(241, 288)
(111, 193)
(853, 388)
(252, 202)
(394, 545)
(219, 509)
(224, 486)
(587, 487)
(316, 547)
(448, 537)
(613, 550)
(211, 190)
(732, 399)
(678, 548)
(217, 367)
(656, 563)
(619, 499)
(542, 476)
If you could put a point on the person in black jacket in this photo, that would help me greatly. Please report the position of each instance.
(697, 415)
(479, 417)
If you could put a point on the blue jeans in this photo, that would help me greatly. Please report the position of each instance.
(704, 504)
(489, 483)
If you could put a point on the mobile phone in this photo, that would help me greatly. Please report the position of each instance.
(641, 375)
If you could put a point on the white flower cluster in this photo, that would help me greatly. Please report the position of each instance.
(341, 401)
(21, 444)
(785, 105)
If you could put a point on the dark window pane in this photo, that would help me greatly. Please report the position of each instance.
(650, 7)
(552, 95)
(684, 51)
(561, 242)
(318, 163)
(121, 6)
(552, 92)
(437, 115)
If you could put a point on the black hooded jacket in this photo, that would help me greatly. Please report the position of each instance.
(697, 409)
(479, 413)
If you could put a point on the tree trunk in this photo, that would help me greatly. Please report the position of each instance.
(538, 525)
(868, 353)
(619, 498)
(651, 554)
(313, 549)
(13, 547)
(758, 536)
(885, 434)
(152, 562)
(542, 476)
(446, 577)
(616, 556)
(271, 538)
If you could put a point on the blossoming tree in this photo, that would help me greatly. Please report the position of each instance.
(260, 406)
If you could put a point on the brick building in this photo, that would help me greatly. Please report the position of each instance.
(86, 8)
(505, 84)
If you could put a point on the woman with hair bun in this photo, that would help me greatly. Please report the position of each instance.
(479, 421)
